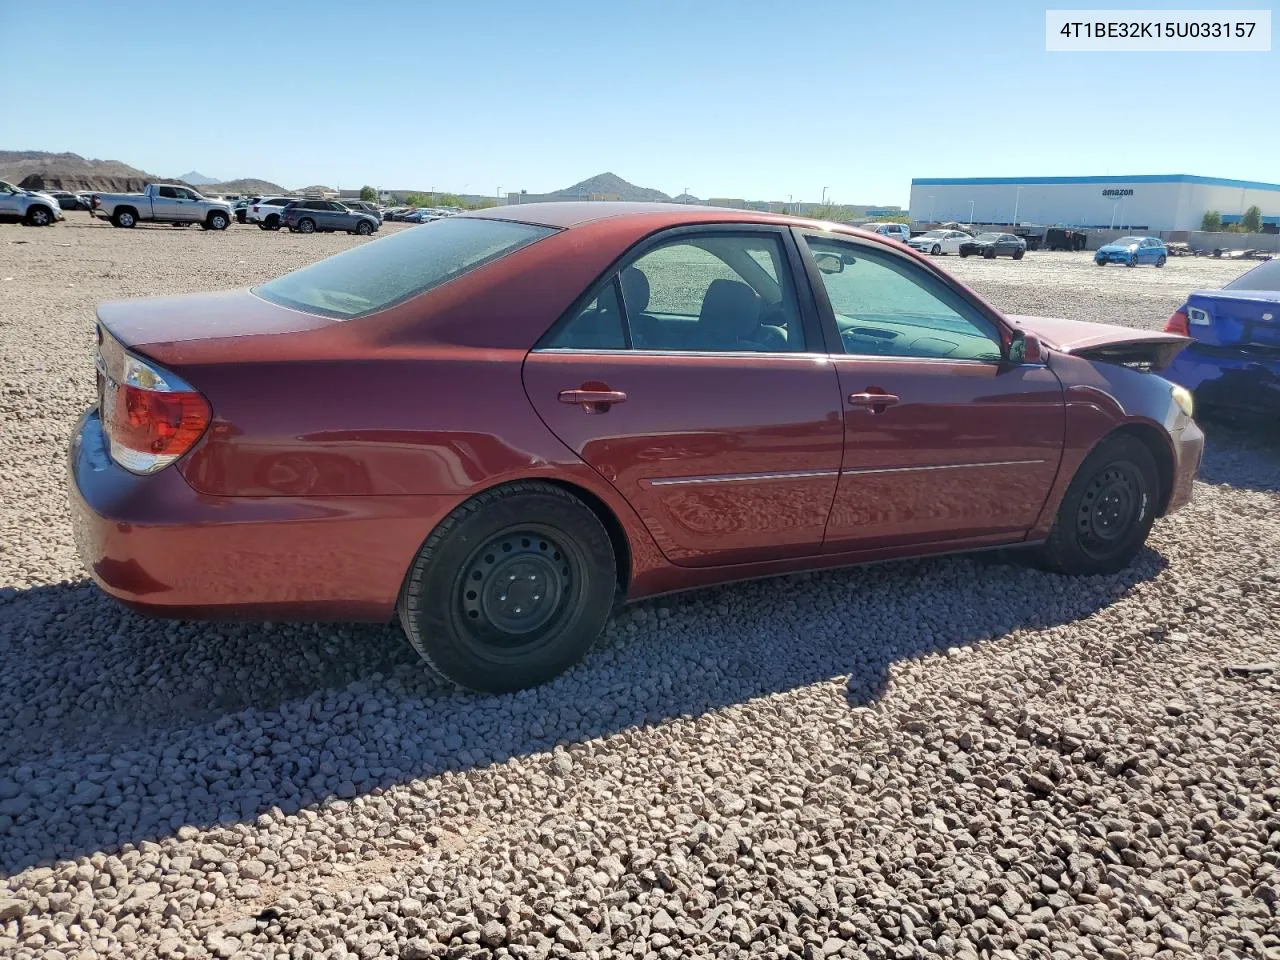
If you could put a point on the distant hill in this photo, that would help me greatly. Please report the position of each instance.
(316, 188)
(685, 198)
(608, 185)
(262, 188)
(39, 170)
(197, 179)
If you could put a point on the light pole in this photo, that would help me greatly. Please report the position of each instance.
(824, 195)
(1114, 208)
(971, 213)
(1016, 197)
(931, 208)
(790, 206)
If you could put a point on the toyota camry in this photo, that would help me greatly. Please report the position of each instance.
(497, 426)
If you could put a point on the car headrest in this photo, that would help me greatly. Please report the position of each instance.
(730, 308)
(635, 290)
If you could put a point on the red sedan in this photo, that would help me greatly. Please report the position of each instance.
(498, 425)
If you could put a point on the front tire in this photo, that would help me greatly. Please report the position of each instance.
(511, 589)
(364, 228)
(1019, 254)
(1160, 262)
(39, 217)
(989, 254)
(1107, 511)
(216, 221)
(936, 250)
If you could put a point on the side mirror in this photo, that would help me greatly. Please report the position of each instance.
(1026, 348)
(828, 263)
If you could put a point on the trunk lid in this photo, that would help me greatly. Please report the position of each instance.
(1148, 349)
(1235, 318)
(188, 329)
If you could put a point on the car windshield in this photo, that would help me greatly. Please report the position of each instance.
(377, 275)
(936, 233)
(1125, 241)
(987, 236)
(1265, 276)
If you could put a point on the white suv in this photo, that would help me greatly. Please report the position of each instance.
(896, 231)
(266, 212)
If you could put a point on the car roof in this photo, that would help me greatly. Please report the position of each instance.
(572, 213)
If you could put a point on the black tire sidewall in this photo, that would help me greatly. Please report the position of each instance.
(427, 602)
(1063, 550)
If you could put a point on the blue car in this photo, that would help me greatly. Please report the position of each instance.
(1132, 251)
(1232, 364)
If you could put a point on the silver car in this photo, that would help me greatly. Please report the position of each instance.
(32, 207)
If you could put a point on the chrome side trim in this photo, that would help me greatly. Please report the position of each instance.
(945, 466)
(742, 478)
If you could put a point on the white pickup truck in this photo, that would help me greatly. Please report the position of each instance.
(162, 203)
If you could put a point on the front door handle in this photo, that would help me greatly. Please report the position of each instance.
(875, 402)
(592, 400)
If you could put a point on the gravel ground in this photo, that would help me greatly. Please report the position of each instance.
(959, 757)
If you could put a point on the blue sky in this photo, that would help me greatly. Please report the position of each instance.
(763, 100)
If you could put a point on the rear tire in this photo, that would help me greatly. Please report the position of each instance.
(125, 219)
(273, 222)
(1107, 511)
(306, 225)
(511, 589)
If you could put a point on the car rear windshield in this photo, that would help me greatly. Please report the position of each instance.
(380, 274)
(1265, 276)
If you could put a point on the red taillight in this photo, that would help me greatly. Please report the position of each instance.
(150, 416)
(1177, 324)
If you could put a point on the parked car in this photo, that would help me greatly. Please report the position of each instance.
(939, 241)
(1132, 251)
(992, 245)
(363, 206)
(266, 212)
(162, 203)
(326, 216)
(894, 231)
(68, 200)
(240, 208)
(394, 214)
(421, 215)
(603, 452)
(1232, 364)
(35, 208)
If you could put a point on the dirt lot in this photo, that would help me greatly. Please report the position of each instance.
(959, 757)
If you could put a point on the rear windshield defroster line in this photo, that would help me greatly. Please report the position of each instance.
(384, 272)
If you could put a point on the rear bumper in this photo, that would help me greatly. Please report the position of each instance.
(163, 549)
(1232, 380)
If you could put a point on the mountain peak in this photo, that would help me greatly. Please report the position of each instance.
(197, 179)
(609, 185)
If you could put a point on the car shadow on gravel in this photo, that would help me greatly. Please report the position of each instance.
(119, 729)
(1241, 455)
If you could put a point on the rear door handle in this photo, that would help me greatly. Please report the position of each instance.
(876, 402)
(592, 401)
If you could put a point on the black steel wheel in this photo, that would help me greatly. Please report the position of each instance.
(511, 588)
(1107, 511)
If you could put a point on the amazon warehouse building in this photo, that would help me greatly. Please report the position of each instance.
(1147, 204)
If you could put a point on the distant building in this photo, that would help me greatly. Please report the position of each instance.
(1149, 203)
